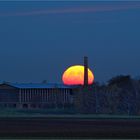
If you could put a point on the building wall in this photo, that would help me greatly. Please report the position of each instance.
(9, 96)
(35, 97)
(45, 98)
(45, 95)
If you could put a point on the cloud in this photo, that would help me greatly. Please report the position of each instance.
(83, 9)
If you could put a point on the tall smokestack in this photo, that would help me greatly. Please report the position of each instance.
(85, 71)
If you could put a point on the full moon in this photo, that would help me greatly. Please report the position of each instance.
(74, 75)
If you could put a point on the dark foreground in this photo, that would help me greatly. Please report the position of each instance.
(68, 128)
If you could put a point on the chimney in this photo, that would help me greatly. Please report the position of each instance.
(85, 71)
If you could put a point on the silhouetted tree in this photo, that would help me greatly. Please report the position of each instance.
(120, 80)
(127, 96)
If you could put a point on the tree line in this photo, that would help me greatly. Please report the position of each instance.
(120, 96)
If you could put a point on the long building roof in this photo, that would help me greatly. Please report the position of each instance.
(38, 85)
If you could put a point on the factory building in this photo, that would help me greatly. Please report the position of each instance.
(35, 95)
(43, 95)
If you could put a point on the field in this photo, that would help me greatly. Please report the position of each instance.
(54, 126)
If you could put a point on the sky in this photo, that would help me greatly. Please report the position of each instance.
(40, 40)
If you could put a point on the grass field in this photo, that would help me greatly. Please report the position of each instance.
(42, 113)
(69, 127)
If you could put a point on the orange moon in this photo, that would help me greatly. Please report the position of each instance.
(74, 75)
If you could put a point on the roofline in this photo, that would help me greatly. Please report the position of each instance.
(8, 84)
(57, 86)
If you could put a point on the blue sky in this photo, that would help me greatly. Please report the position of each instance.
(39, 40)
